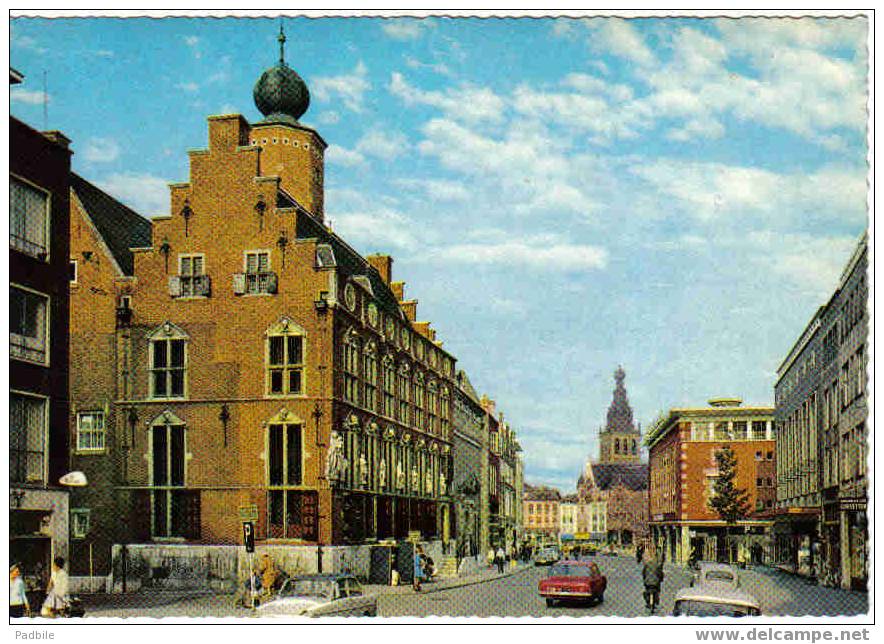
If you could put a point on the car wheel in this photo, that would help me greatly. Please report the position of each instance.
(600, 598)
(550, 602)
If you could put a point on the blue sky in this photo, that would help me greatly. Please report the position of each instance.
(561, 196)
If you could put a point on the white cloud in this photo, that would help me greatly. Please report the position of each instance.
(30, 97)
(193, 42)
(22, 41)
(467, 102)
(328, 117)
(188, 86)
(438, 189)
(708, 128)
(525, 252)
(104, 53)
(101, 150)
(382, 144)
(338, 155)
(439, 68)
(349, 88)
(145, 193)
(377, 228)
(403, 28)
(620, 38)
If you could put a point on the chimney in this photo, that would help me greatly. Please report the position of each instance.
(58, 138)
(398, 289)
(383, 264)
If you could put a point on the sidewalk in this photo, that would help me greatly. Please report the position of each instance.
(486, 574)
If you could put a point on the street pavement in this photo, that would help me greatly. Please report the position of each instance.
(514, 594)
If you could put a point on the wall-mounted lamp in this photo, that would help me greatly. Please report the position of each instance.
(165, 249)
(260, 208)
(224, 417)
(187, 213)
(282, 242)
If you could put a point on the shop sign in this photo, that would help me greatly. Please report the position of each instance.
(248, 513)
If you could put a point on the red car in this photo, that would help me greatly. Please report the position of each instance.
(574, 581)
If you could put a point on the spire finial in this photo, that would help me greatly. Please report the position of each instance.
(281, 39)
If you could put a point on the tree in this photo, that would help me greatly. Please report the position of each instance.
(728, 501)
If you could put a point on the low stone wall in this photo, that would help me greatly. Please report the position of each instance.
(222, 568)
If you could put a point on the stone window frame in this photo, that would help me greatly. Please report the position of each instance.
(285, 327)
(190, 278)
(80, 530)
(99, 432)
(168, 332)
(166, 420)
(43, 401)
(258, 252)
(284, 420)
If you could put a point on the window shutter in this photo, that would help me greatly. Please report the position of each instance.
(204, 285)
(174, 286)
(239, 283)
(272, 282)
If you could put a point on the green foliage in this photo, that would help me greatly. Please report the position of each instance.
(728, 501)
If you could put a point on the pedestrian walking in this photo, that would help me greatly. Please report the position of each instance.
(652, 576)
(490, 557)
(639, 553)
(57, 591)
(500, 558)
(269, 575)
(418, 568)
(18, 596)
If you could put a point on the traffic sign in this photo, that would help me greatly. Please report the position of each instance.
(414, 536)
(248, 512)
(248, 536)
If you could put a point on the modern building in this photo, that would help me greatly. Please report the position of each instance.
(618, 481)
(541, 514)
(261, 363)
(683, 469)
(822, 438)
(39, 270)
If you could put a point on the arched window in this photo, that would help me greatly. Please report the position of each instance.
(419, 391)
(445, 412)
(389, 387)
(292, 513)
(404, 393)
(432, 406)
(285, 351)
(370, 375)
(351, 367)
(168, 361)
(616, 445)
(634, 447)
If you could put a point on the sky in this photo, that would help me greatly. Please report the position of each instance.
(676, 196)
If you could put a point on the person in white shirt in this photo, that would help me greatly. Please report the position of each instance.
(18, 597)
(57, 591)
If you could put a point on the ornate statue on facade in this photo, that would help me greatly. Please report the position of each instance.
(415, 479)
(382, 473)
(335, 460)
(428, 481)
(400, 476)
(363, 470)
(442, 484)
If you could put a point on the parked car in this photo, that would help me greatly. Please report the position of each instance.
(723, 575)
(715, 600)
(574, 581)
(332, 595)
(547, 557)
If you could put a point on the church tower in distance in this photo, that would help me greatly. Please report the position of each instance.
(620, 440)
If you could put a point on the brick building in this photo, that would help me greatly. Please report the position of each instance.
(260, 360)
(682, 446)
(470, 483)
(822, 439)
(39, 178)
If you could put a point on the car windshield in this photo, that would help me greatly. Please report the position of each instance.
(695, 608)
(308, 588)
(719, 575)
(569, 571)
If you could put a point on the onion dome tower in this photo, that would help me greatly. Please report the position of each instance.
(280, 94)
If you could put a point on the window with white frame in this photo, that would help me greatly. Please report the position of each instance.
(28, 420)
(28, 325)
(90, 431)
(285, 361)
(370, 373)
(167, 367)
(79, 523)
(351, 368)
(28, 218)
(167, 478)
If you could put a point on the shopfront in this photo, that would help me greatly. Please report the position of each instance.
(38, 532)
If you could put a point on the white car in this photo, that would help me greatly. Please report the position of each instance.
(718, 574)
(332, 595)
(715, 600)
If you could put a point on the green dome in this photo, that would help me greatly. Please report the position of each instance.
(281, 95)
